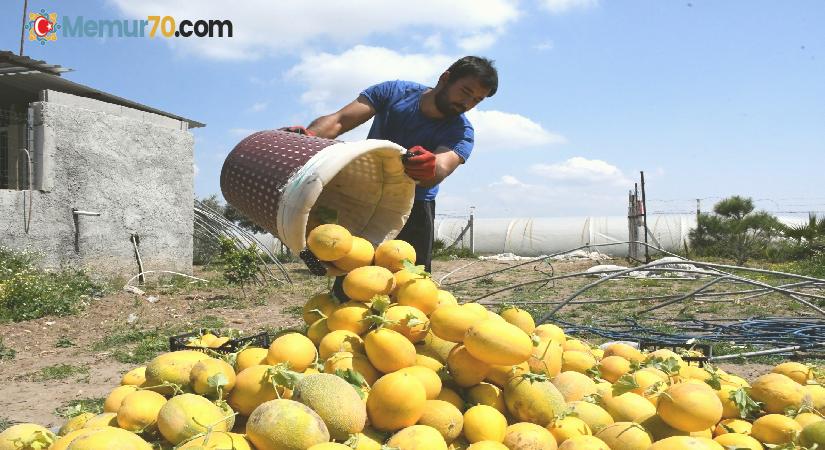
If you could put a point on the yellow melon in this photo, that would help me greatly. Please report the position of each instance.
(26, 436)
(206, 369)
(113, 400)
(407, 320)
(352, 361)
(629, 407)
(294, 349)
(528, 436)
(550, 331)
(546, 357)
(533, 400)
(107, 419)
(775, 429)
(389, 350)
(417, 437)
(487, 394)
(444, 417)
(796, 371)
(732, 426)
(139, 411)
(250, 356)
(421, 293)
(391, 254)
(253, 386)
(574, 385)
(577, 361)
(428, 378)
(498, 343)
(172, 368)
(690, 407)
(349, 316)
(219, 440)
(613, 367)
(686, 443)
(317, 330)
(626, 351)
(451, 322)
(318, 306)
(445, 298)
(584, 442)
(568, 427)
(184, 416)
(738, 441)
(484, 423)
(625, 436)
(360, 255)
(593, 415)
(335, 401)
(778, 392)
(340, 341)
(75, 423)
(285, 424)
(500, 375)
(364, 283)
(518, 317)
(396, 401)
(450, 396)
(329, 242)
(107, 438)
(466, 369)
(134, 377)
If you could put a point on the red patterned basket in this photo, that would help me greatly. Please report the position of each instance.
(289, 183)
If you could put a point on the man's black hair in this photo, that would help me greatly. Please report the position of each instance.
(476, 66)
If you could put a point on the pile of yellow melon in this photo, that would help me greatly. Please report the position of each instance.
(403, 365)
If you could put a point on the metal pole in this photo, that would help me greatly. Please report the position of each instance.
(472, 231)
(23, 25)
(698, 209)
(644, 217)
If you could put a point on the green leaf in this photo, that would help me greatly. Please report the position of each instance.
(624, 384)
(380, 303)
(715, 381)
(280, 375)
(418, 270)
(217, 380)
(747, 406)
(670, 366)
(355, 379)
(413, 321)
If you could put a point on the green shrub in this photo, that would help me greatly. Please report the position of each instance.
(27, 292)
(441, 251)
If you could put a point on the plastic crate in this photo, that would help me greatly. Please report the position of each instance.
(180, 342)
(705, 349)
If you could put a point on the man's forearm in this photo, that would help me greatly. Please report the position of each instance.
(326, 127)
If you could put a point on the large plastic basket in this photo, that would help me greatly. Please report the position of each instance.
(289, 183)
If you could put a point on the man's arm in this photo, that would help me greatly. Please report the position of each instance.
(333, 125)
(446, 161)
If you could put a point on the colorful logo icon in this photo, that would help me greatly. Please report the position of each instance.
(42, 27)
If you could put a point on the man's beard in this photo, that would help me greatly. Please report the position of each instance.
(442, 103)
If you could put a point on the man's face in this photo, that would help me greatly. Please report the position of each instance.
(460, 96)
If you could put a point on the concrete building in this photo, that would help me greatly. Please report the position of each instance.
(89, 179)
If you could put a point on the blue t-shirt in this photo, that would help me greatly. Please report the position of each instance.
(398, 118)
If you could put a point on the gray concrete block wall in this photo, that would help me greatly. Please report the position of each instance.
(136, 173)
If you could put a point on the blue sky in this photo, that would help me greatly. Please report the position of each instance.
(709, 98)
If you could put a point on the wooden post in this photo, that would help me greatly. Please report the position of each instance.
(644, 217)
(23, 25)
(472, 231)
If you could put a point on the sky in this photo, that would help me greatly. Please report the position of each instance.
(708, 98)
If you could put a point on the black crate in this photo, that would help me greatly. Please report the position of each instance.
(705, 349)
(180, 341)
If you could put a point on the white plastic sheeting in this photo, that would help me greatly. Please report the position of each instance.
(546, 235)
(542, 236)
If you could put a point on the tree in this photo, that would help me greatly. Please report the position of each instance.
(810, 236)
(734, 230)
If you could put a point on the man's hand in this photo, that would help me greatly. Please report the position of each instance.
(298, 129)
(419, 163)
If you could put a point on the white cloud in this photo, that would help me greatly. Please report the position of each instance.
(195, 169)
(477, 41)
(544, 46)
(433, 42)
(582, 171)
(563, 6)
(496, 130)
(335, 80)
(510, 181)
(258, 106)
(260, 29)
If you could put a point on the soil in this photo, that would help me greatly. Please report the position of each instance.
(36, 341)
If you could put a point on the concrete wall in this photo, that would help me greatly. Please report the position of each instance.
(133, 168)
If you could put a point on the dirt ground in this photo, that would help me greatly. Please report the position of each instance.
(71, 340)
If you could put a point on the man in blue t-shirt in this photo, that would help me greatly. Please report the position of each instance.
(430, 122)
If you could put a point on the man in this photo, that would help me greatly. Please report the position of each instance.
(430, 123)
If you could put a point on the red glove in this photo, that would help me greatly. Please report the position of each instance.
(419, 163)
(298, 129)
